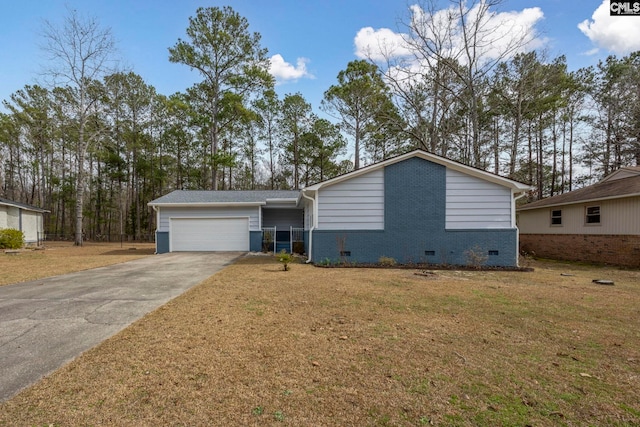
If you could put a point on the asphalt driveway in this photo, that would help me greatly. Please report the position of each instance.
(46, 323)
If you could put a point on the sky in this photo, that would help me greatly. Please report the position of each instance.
(309, 41)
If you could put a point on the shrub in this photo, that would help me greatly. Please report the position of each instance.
(387, 261)
(285, 259)
(476, 257)
(267, 241)
(10, 238)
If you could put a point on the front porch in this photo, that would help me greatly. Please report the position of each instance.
(276, 240)
(282, 229)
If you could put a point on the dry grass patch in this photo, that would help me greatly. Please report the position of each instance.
(254, 345)
(62, 257)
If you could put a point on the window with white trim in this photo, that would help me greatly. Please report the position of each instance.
(592, 215)
(556, 217)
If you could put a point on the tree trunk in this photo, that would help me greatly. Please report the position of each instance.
(82, 152)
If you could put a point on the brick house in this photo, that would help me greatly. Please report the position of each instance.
(599, 223)
(414, 208)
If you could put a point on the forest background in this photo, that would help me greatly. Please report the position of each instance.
(96, 143)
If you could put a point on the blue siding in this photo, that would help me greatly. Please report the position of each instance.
(255, 241)
(415, 216)
(162, 242)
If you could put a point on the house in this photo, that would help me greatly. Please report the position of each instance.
(414, 208)
(598, 223)
(225, 220)
(23, 217)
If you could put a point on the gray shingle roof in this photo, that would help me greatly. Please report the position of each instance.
(229, 196)
(602, 190)
(21, 205)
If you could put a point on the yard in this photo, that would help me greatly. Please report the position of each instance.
(63, 257)
(254, 345)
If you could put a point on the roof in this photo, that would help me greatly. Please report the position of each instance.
(24, 206)
(478, 173)
(260, 197)
(224, 197)
(623, 172)
(603, 190)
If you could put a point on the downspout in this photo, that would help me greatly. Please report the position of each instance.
(155, 208)
(313, 223)
(513, 219)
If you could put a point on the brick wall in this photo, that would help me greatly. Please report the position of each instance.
(607, 249)
(414, 229)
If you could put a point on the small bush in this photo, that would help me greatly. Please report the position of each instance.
(298, 247)
(387, 261)
(267, 241)
(476, 257)
(10, 238)
(285, 259)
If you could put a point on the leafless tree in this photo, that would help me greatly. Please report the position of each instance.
(447, 52)
(80, 52)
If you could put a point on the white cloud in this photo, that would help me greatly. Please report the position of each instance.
(592, 52)
(503, 31)
(617, 34)
(499, 33)
(285, 71)
(380, 44)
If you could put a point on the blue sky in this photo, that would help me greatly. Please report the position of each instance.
(310, 41)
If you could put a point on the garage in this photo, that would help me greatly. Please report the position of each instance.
(209, 234)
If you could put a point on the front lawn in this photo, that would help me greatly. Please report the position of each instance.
(255, 345)
(56, 258)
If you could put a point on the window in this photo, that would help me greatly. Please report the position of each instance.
(593, 215)
(556, 217)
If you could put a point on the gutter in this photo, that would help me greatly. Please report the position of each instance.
(155, 208)
(514, 224)
(206, 204)
(520, 196)
(313, 223)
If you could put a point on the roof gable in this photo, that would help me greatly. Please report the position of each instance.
(612, 189)
(623, 172)
(478, 173)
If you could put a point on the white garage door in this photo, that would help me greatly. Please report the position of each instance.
(209, 234)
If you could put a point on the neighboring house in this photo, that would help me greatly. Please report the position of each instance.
(598, 223)
(23, 217)
(414, 208)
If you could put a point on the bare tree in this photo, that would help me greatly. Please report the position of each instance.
(80, 52)
(446, 51)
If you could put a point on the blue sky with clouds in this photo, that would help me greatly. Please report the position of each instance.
(309, 41)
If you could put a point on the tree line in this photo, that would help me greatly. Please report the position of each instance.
(97, 144)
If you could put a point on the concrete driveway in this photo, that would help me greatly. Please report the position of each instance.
(46, 323)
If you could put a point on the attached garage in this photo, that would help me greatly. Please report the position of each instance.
(209, 221)
(209, 234)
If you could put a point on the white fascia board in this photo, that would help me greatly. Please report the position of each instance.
(301, 200)
(209, 204)
(282, 201)
(24, 208)
(578, 202)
